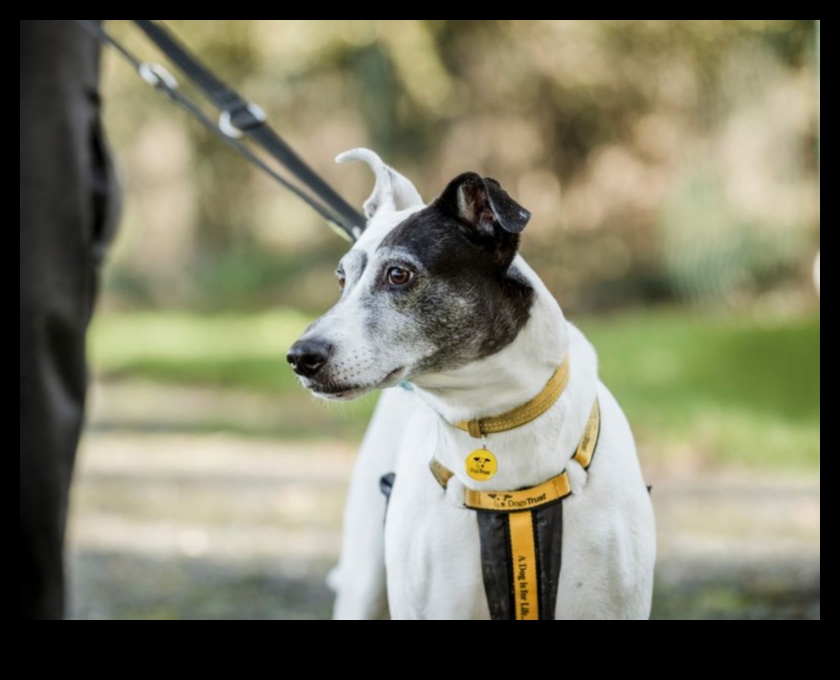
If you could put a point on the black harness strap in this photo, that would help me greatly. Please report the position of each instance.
(238, 117)
(548, 528)
(497, 564)
(497, 561)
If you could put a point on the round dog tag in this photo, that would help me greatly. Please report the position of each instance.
(481, 465)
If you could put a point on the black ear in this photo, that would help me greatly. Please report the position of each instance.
(483, 204)
(493, 216)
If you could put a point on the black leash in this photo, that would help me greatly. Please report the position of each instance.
(238, 118)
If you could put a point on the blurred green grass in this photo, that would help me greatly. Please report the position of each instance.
(730, 390)
(699, 389)
(243, 351)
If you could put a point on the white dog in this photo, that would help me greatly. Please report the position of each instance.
(484, 438)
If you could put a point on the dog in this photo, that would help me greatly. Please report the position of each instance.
(440, 311)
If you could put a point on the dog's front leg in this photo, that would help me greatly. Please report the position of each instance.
(360, 577)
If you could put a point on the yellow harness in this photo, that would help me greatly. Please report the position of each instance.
(521, 531)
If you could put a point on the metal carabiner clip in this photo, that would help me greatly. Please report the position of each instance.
(157, 76)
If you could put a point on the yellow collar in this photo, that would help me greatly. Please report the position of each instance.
(521, 415)
(555, 489)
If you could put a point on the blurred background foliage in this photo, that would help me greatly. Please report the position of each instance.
(672, 168)
(663, 160)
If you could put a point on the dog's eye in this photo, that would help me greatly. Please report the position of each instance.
(342, 280)
(397, 276)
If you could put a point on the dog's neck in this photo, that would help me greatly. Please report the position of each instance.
(511, 377)
(530, 454)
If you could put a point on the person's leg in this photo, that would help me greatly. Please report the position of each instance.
(65, 217)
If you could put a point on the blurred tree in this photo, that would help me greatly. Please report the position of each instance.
(607, 130)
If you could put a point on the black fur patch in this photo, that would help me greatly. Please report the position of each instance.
(495, 219)
(468, 303)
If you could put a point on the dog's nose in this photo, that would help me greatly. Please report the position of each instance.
(307, 357)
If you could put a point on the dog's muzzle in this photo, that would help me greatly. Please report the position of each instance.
(308, 357)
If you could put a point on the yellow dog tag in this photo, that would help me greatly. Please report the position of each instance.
(481, 465)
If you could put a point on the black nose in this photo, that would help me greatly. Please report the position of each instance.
(307, 357)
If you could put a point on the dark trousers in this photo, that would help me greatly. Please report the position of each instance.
(67, 211)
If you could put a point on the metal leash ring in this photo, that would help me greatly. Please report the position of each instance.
(227, 126)
(157, 76)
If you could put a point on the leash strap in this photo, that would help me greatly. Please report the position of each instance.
(238, 117)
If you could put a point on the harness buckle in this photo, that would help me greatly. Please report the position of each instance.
(234, 122)
(157, 76)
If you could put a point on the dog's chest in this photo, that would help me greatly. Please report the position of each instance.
(432, 546)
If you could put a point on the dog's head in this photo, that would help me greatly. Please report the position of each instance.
(425, 289)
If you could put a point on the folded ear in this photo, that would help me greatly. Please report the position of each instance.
(484, 205)
(495, 219)
(392, 191)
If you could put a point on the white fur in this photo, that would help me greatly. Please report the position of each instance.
(426, 564)
(392, 191)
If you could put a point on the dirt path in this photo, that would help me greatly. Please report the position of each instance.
(167, 526)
